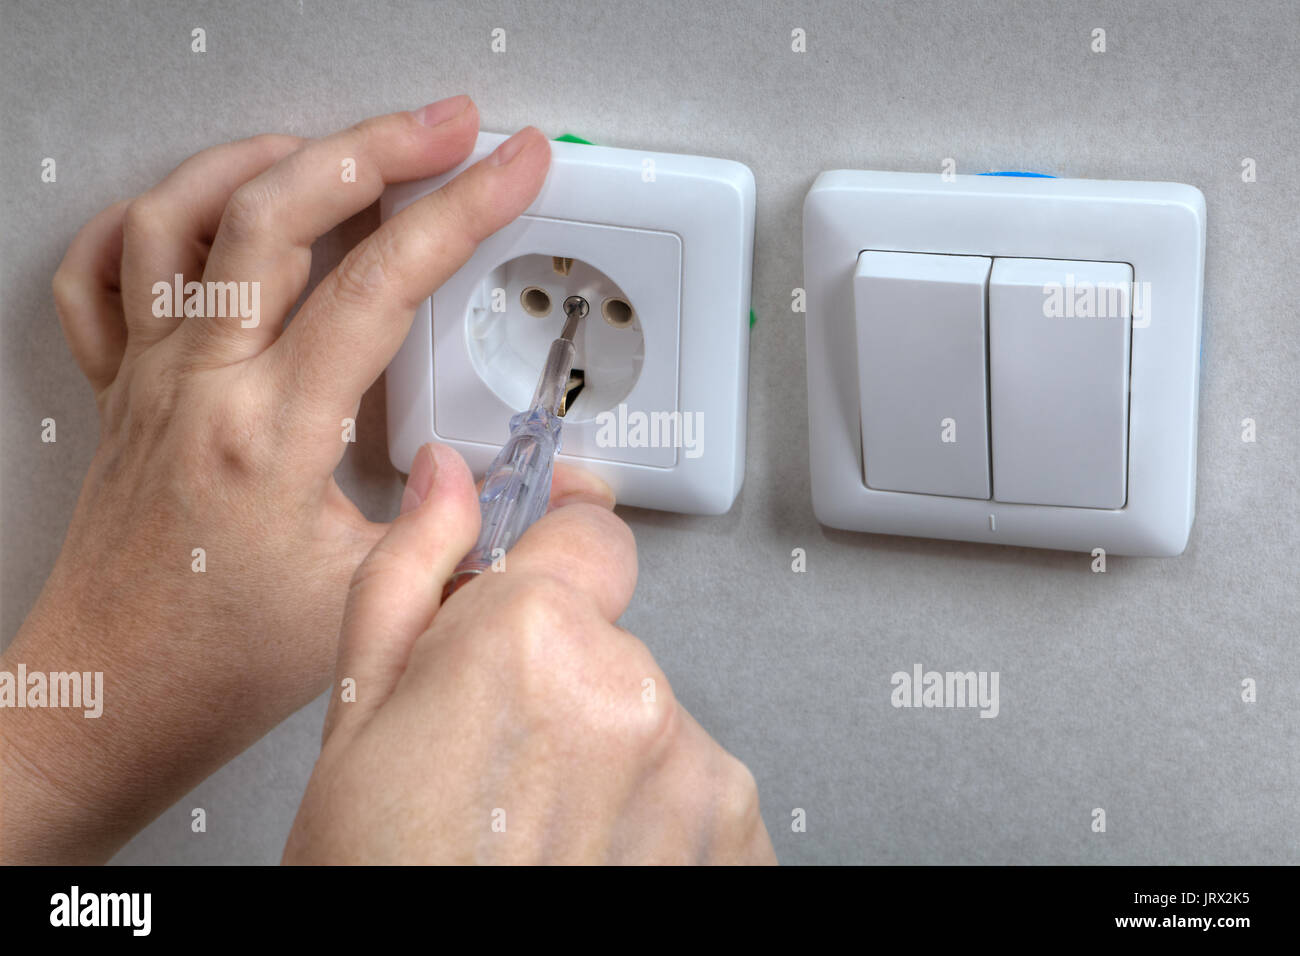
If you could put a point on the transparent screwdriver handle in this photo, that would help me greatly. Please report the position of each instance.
(517, 486)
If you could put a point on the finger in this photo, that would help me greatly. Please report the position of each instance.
(354, 321)
(88, 297)
(168, 229)
(581, 545)
(396, 590)
(709, 787)
(268, 228)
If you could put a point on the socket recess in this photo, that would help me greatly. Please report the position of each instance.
(660, 246)
(507, 345)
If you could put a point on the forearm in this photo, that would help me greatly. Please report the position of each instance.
(78, 780)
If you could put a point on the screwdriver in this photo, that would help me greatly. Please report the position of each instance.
(517, 486)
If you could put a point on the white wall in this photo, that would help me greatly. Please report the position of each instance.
(1118, 690)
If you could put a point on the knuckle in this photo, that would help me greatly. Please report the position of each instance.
(142, 220)
(365, 271)
(250, 211)
(537, 617)
(377, 566)
(654, 727)
(739, 793)
(211, 437)
(574, 675)
(463, 205)
(593, 535)
(598, 542)
(367, 144)
(379, 134)
(365, 136)
(615, 712)
(614, 534)
(67, 290)
(596, 525)
(540, 638)
(454, 210)
(271, 146)
(234, 430)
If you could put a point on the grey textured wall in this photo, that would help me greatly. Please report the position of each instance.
(1119, 691)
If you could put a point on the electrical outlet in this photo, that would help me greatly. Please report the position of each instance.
(660, 246)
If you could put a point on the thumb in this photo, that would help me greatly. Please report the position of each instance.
(398, 587)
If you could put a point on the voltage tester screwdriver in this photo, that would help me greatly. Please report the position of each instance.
(517, 486)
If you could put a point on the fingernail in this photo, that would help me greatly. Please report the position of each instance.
(510, 148)
(443, 110)
(420, 481)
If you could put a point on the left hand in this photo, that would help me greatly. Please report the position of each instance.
(223, 437)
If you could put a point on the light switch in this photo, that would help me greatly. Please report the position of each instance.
(1059, 381)
(921, 372)
(1091, 433)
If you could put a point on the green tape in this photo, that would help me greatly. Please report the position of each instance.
(751, 318)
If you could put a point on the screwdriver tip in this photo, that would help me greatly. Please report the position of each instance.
(575, 309)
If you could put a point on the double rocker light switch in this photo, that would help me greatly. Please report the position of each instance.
(1004, 359)
(994, 378)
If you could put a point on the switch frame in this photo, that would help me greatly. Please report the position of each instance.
(1157, 228)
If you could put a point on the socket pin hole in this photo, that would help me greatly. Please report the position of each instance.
(617, 312)
(536, 301)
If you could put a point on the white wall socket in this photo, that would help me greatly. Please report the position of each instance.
(1003, 359)
(661, 247)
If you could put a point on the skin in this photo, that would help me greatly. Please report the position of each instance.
(523, 677)
(520, 694)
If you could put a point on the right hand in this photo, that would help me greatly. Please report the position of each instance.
(517, 723)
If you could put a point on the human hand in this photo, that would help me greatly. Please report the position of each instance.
(222, 434)
(515, 723)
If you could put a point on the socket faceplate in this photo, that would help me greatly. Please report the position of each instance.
(671, 234)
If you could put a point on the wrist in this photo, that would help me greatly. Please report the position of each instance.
(91, 748)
